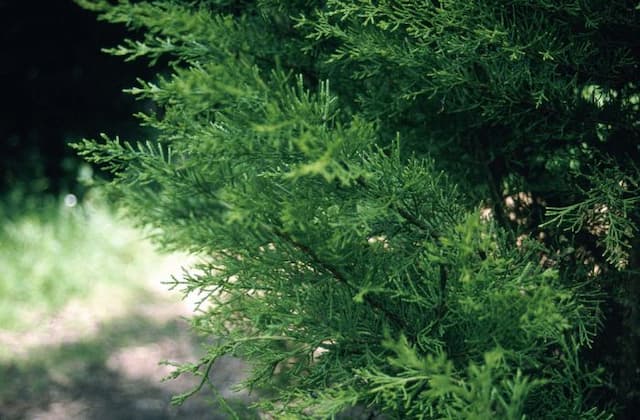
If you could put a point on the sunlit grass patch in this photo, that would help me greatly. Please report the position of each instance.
(58, 250)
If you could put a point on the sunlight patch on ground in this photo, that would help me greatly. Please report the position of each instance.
(95, 351)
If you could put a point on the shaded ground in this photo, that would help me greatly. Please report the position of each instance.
(98, 359)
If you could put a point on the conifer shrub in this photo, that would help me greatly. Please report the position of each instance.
(425, 209)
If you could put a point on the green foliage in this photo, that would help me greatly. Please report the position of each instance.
(606, 212)
(330, 162)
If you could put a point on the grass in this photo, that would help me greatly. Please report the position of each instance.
(76, 288)
(52, 252)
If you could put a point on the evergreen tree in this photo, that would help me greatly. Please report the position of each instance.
(427, 209)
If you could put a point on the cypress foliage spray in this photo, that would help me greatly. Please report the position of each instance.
(426, 209)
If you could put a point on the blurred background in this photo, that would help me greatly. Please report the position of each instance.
(58, 87)
(84, 316)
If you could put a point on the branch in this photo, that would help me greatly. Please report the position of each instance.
(416, 222)
(336, 273)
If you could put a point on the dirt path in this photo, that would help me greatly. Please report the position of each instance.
(98, 359)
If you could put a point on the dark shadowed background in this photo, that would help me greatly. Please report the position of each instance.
(56, 87)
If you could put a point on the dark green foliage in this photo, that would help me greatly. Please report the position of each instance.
(366, 184)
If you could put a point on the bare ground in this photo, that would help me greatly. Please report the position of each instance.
(99, 359)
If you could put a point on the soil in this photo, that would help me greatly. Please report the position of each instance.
(99, 359)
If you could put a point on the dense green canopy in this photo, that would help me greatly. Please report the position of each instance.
(422, 208)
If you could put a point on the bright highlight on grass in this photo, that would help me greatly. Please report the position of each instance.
(70, 200)
(60, 250)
